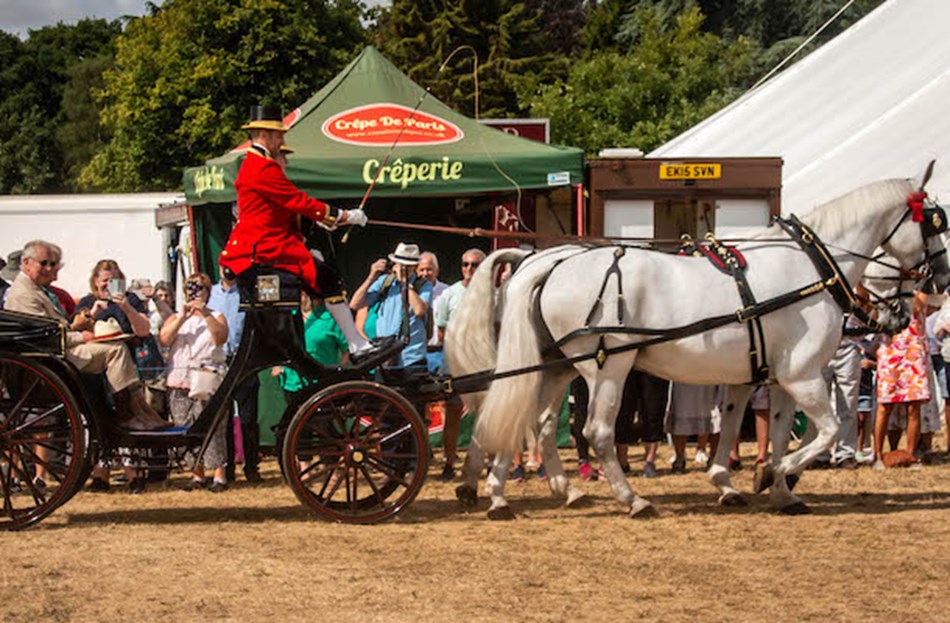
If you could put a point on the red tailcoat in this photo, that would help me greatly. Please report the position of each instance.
(266, 230)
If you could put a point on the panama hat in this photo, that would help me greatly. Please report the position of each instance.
(12, 266)
(109, 329)
(407, 254)
(266, 118)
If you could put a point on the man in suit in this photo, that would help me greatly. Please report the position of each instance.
(266, 231)
(30, 294)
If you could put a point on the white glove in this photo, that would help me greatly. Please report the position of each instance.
(355, 217)
(325, 226)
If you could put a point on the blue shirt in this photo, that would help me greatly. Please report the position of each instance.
(228, 302)
(389, 320)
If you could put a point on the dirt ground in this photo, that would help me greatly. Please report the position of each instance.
(875, 549)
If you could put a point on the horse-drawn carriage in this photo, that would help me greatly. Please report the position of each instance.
(354, 451)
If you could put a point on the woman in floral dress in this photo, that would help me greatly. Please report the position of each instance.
(902, 378)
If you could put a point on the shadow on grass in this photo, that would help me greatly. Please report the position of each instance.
(423, 511)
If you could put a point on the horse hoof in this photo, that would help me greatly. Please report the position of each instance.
(764, 477)
(796, 508)
(502, 513)
(641, 509)
(575, 498)
(732, 500)
(467, 496)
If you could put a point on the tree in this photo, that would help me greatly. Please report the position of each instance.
(510, 38)
(185, 76)
(80, 134)
(674, 76)
(33, 79)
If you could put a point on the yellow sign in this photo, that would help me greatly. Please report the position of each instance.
(691, 171)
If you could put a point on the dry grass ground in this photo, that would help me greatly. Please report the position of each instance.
(875, 549)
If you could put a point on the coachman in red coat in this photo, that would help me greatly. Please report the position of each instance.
(266, 231)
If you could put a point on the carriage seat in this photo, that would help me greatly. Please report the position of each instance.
(262, 285)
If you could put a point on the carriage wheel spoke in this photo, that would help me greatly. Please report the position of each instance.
(45, 442)
(357, 415)
(19, 405)
(376, 491)
(377, 420)
(318, 473)
(333, 483)
(39, 417)
(387, 469)
(342, 418)
(49, 468)
(38, 497)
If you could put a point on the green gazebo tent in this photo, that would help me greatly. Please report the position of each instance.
(343, 133)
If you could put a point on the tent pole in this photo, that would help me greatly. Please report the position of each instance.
(579, 189)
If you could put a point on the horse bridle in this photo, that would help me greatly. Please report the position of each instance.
(933, 222)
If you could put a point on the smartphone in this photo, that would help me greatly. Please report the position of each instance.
(116, 286)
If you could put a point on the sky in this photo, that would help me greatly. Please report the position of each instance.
(18, 16)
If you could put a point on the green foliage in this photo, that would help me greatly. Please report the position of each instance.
(88, 106)
(512, 39)
(674, 76)
(185, 76)
(33, 78)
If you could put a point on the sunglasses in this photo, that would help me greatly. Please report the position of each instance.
(47, 263)
(472, 264)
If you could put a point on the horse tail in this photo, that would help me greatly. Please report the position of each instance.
(512, 404)
(470, 335)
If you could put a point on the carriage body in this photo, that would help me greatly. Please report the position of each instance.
(352, 451)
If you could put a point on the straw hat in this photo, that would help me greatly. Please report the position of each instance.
(266, 118)
(108, 329)
(407, 254)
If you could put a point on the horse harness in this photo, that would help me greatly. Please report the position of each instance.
(831, 279)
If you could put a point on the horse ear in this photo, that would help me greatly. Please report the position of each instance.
(927, 173)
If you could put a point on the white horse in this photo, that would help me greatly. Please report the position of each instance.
(478, 352)
(889, 293)
(553, 292)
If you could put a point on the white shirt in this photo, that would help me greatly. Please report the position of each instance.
(193, 347)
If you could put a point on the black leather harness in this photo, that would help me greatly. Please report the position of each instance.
(831, 279)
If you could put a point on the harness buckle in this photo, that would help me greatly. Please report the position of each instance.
(447, 386)
(744, 315)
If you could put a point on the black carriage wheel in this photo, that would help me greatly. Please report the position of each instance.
(356, 452)
(41, 432)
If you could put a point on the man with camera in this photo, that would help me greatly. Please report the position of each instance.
(390, 281)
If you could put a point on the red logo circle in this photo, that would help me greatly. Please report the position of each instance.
(384, 124)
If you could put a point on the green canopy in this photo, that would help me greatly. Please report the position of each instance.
(342, 135)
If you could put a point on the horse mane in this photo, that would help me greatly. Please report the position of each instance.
(839, 215)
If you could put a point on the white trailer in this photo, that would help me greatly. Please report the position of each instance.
(121, 227)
